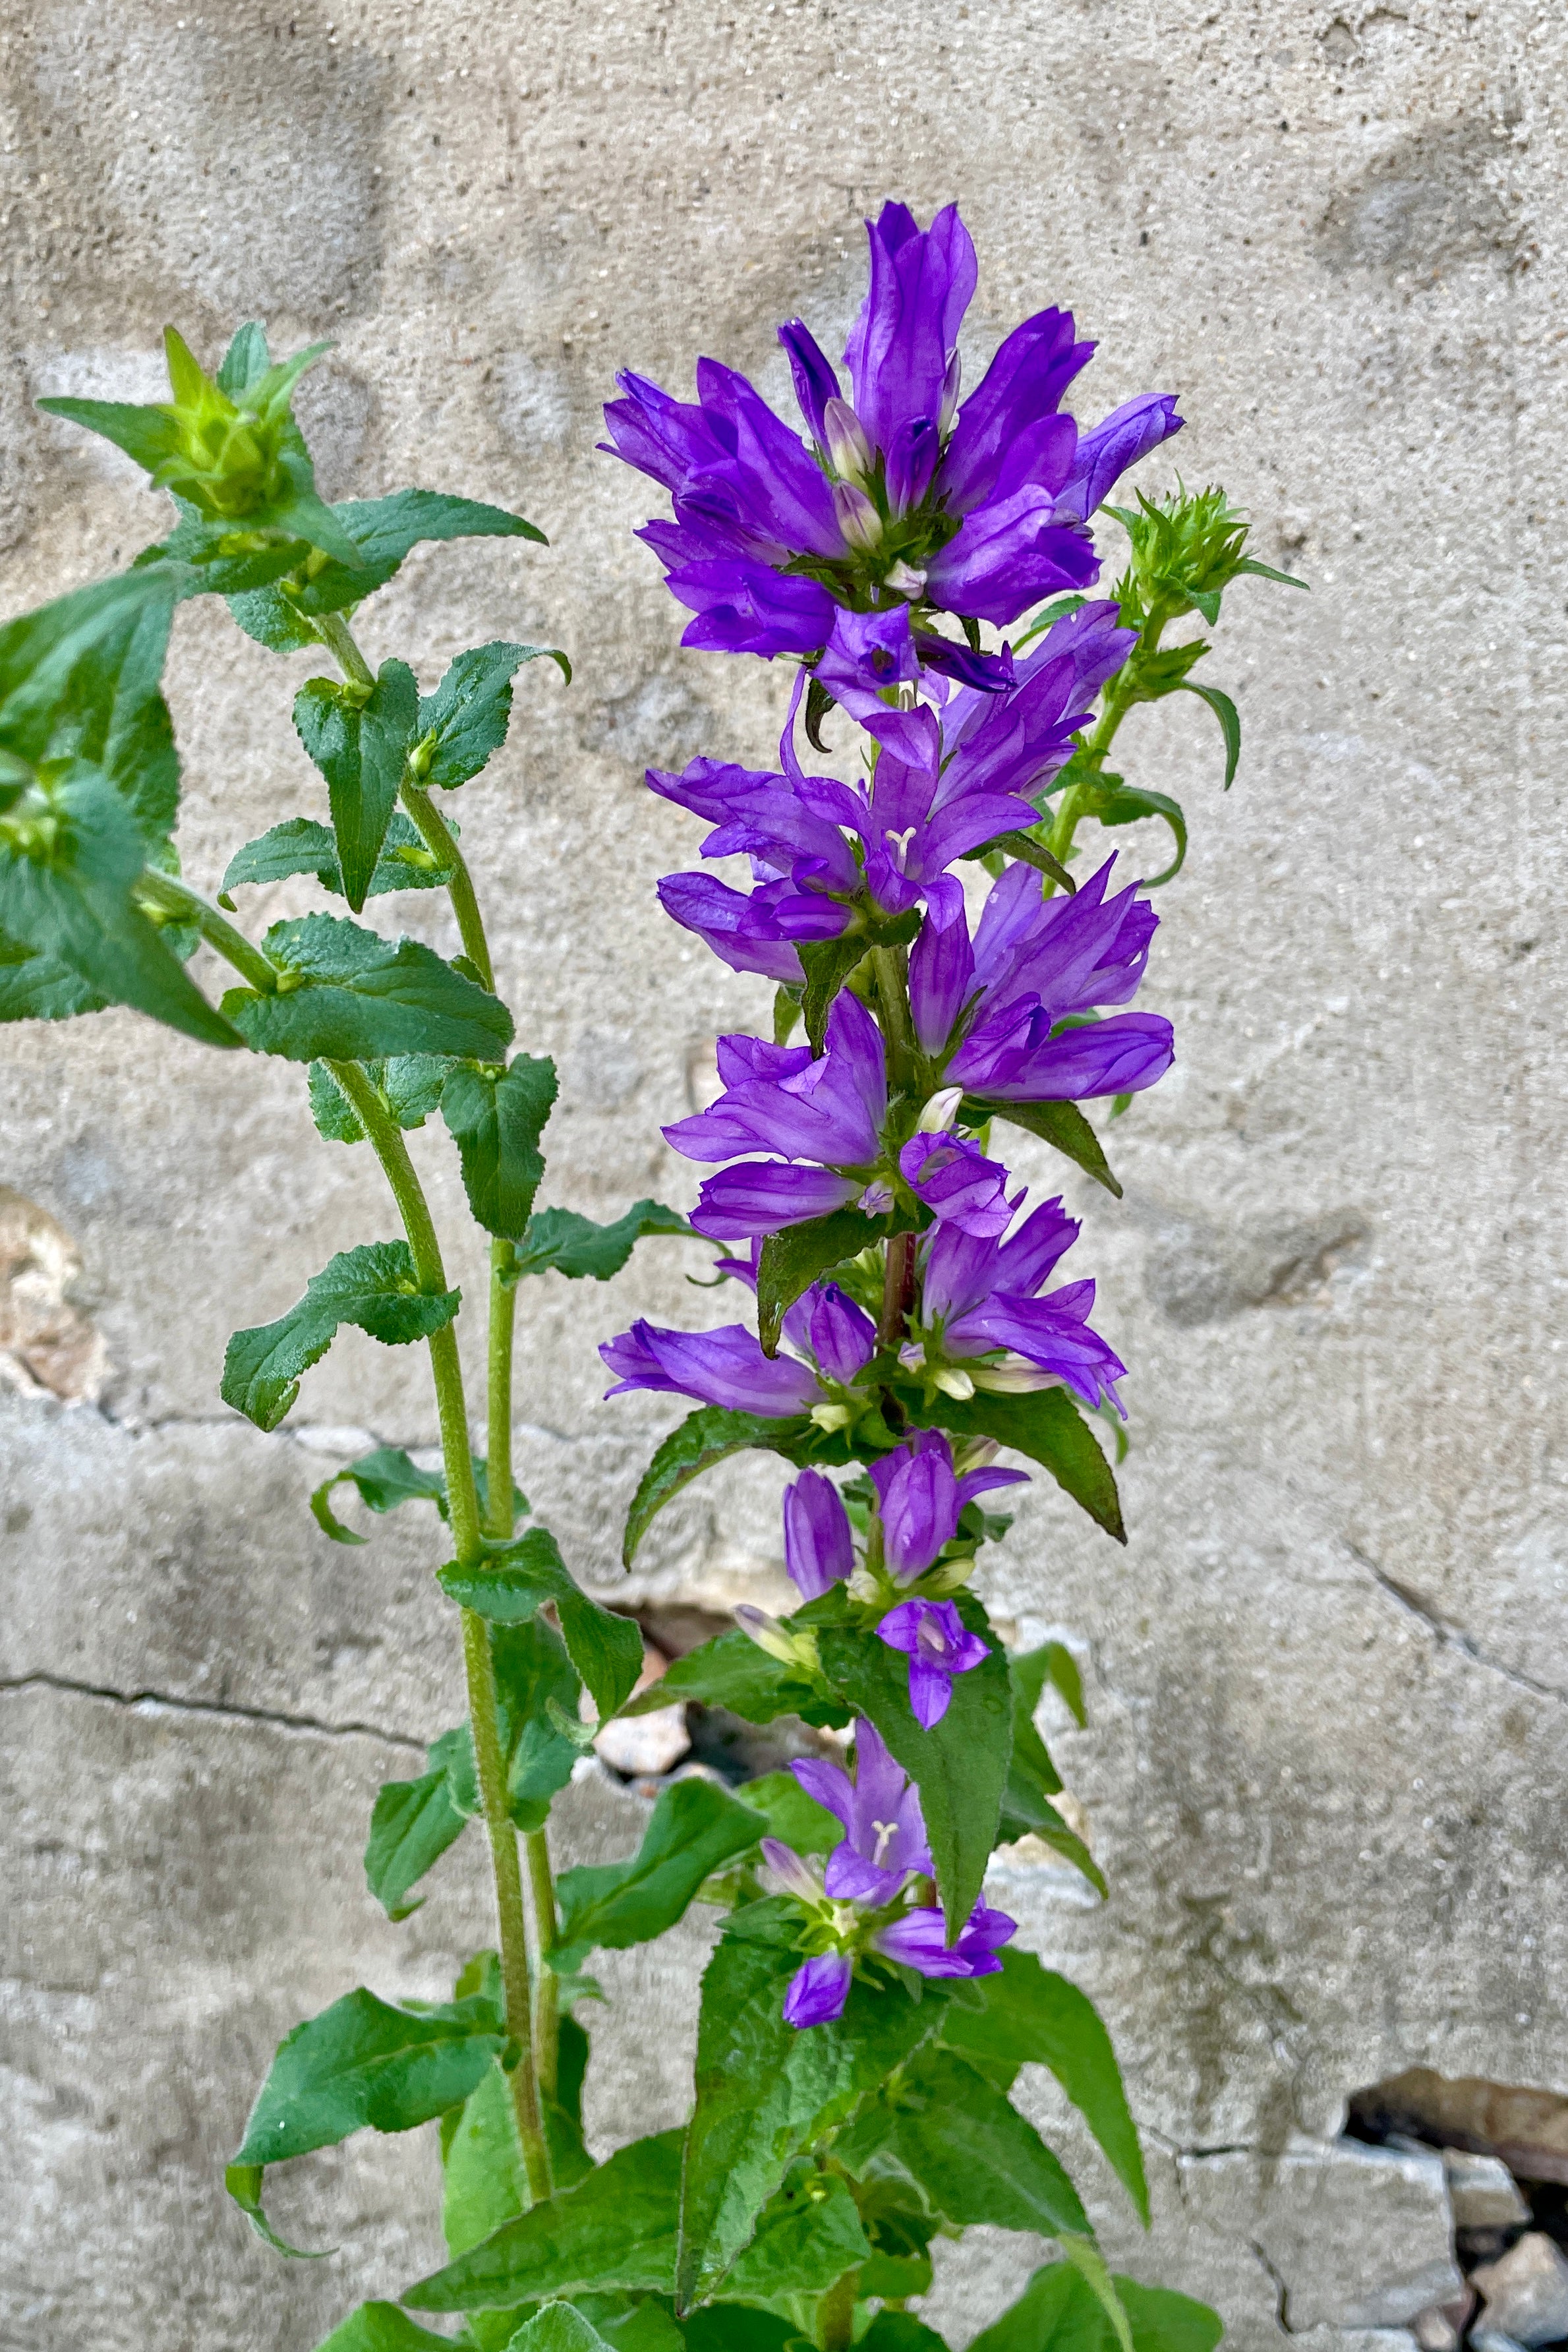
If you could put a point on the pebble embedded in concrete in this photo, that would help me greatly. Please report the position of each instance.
(1525, 2293)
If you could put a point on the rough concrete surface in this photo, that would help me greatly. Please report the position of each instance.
(1329, 1676)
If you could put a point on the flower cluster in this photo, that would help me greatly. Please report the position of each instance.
(904, 1282)
(855, 1908)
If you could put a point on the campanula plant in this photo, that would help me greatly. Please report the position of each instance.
(865, 2012)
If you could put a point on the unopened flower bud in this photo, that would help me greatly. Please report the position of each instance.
(954, 1382)
(849, 451)
(791, 1649)
(1016, 1379)
(940, 1112)
(832, 1416)
(794, 1875)
(856, 517)
(904, 580)
(975, 1453)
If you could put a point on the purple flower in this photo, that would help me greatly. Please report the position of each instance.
(980, 510)
(939, 1646)
(826, 1110)
(726, 1367)
(920, 1498)
(919, 1939)
(884, 1835)
(979, 1295)
(957, 1184)
(841, 1335)
(817, 1551)
(819, 1990)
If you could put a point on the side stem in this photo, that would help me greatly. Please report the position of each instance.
(168, 896)
(462, 1505)
(436, 836)
(1117, 705)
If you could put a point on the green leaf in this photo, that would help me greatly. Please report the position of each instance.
(708, 1436)
(361, 747)
(828, 963)
(900, 2331)
(1266, 572)
(792, 1260)
(557, 1241)
(790, 1814)
(559, 2327)
(464, 720)
(733, 1672)
(382, 531)
(79, 679)
(382, 2328)
(960, 1764)
(1032, 1778)
(244, 2184)
(975, 2155)
(809, 2236)
(363, 2063)
(41, 988)
(301, 845)
(1059, 2311)
(631, 2323)
(244, 363)
(1057, 610)
(1024, 847)
(510, 1585)
(1229, 720)
(616, 2228)
(1032, 2017)
(1062, 1124)
(484, 2180)
(1047, 1426)
(766, 2093)
(1128, 804)
(899, 2223)
(532, 1669)
(695, 1828)
(67, 866)
(374, 1286)
(386, 1478)
(348, 995)
(1089, 2264)
(146, 433)
(497, 1118)
(741, 2327)
(1051, 1662)
(412, 1823)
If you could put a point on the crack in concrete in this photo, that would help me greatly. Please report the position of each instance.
(1279, 2284)
(218, 1707)
(1450, 1637)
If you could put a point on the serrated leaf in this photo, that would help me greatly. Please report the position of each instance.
(1032, 2017)
(792, 1260)
(244, 363)
(497, 1118)
(412, 1823)
(79, 678)
(1032, 1778)
(1051, 1662)
(510, 1585)
(361, 746)
(352, 997)
(71, 903)
(695, 1828)
(41, 988)
(1061, 1124)
(711, 1435)
(1047, 1426)
(1225, 711)
(900, 2331)
(364, 2065)
(828, 963)
(557, 1241)
(976, 2156)
(809, 2236)
(374, 1288)
(466, 720)
(484, 2179)
(532, 1670)
(733, 1672)
(559, 2327)
(244, 2183)
(739, 2328)
(387, 1477)
(382, 2328)
(765, 2092)
(1129, 804)
(1266, 572)
(960, 1764)
(616, 2228)
(1024, 847)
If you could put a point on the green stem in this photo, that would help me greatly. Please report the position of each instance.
(499, 1518)
(1119, 696)
(891, 966)
(338, 639)
(895, 1289)
(546, 1995)
(462, 1505)
(168, 896)
(436, 836)
(836, 2313)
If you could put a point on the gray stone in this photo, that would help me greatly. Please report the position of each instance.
(1483, 2193)
(1525, 2293)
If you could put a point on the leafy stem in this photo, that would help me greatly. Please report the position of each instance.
(1120, 695)
(166, 895)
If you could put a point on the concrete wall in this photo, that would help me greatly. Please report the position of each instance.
(1328, 1676)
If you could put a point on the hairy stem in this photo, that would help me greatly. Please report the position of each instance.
(1119, 696)
(836, 2313)
(547, 1992)
(895, 1289)
(499, 1516)
(338, 639)
(437, 836)
(891, 966)
(168, 896)
(484, 1713)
